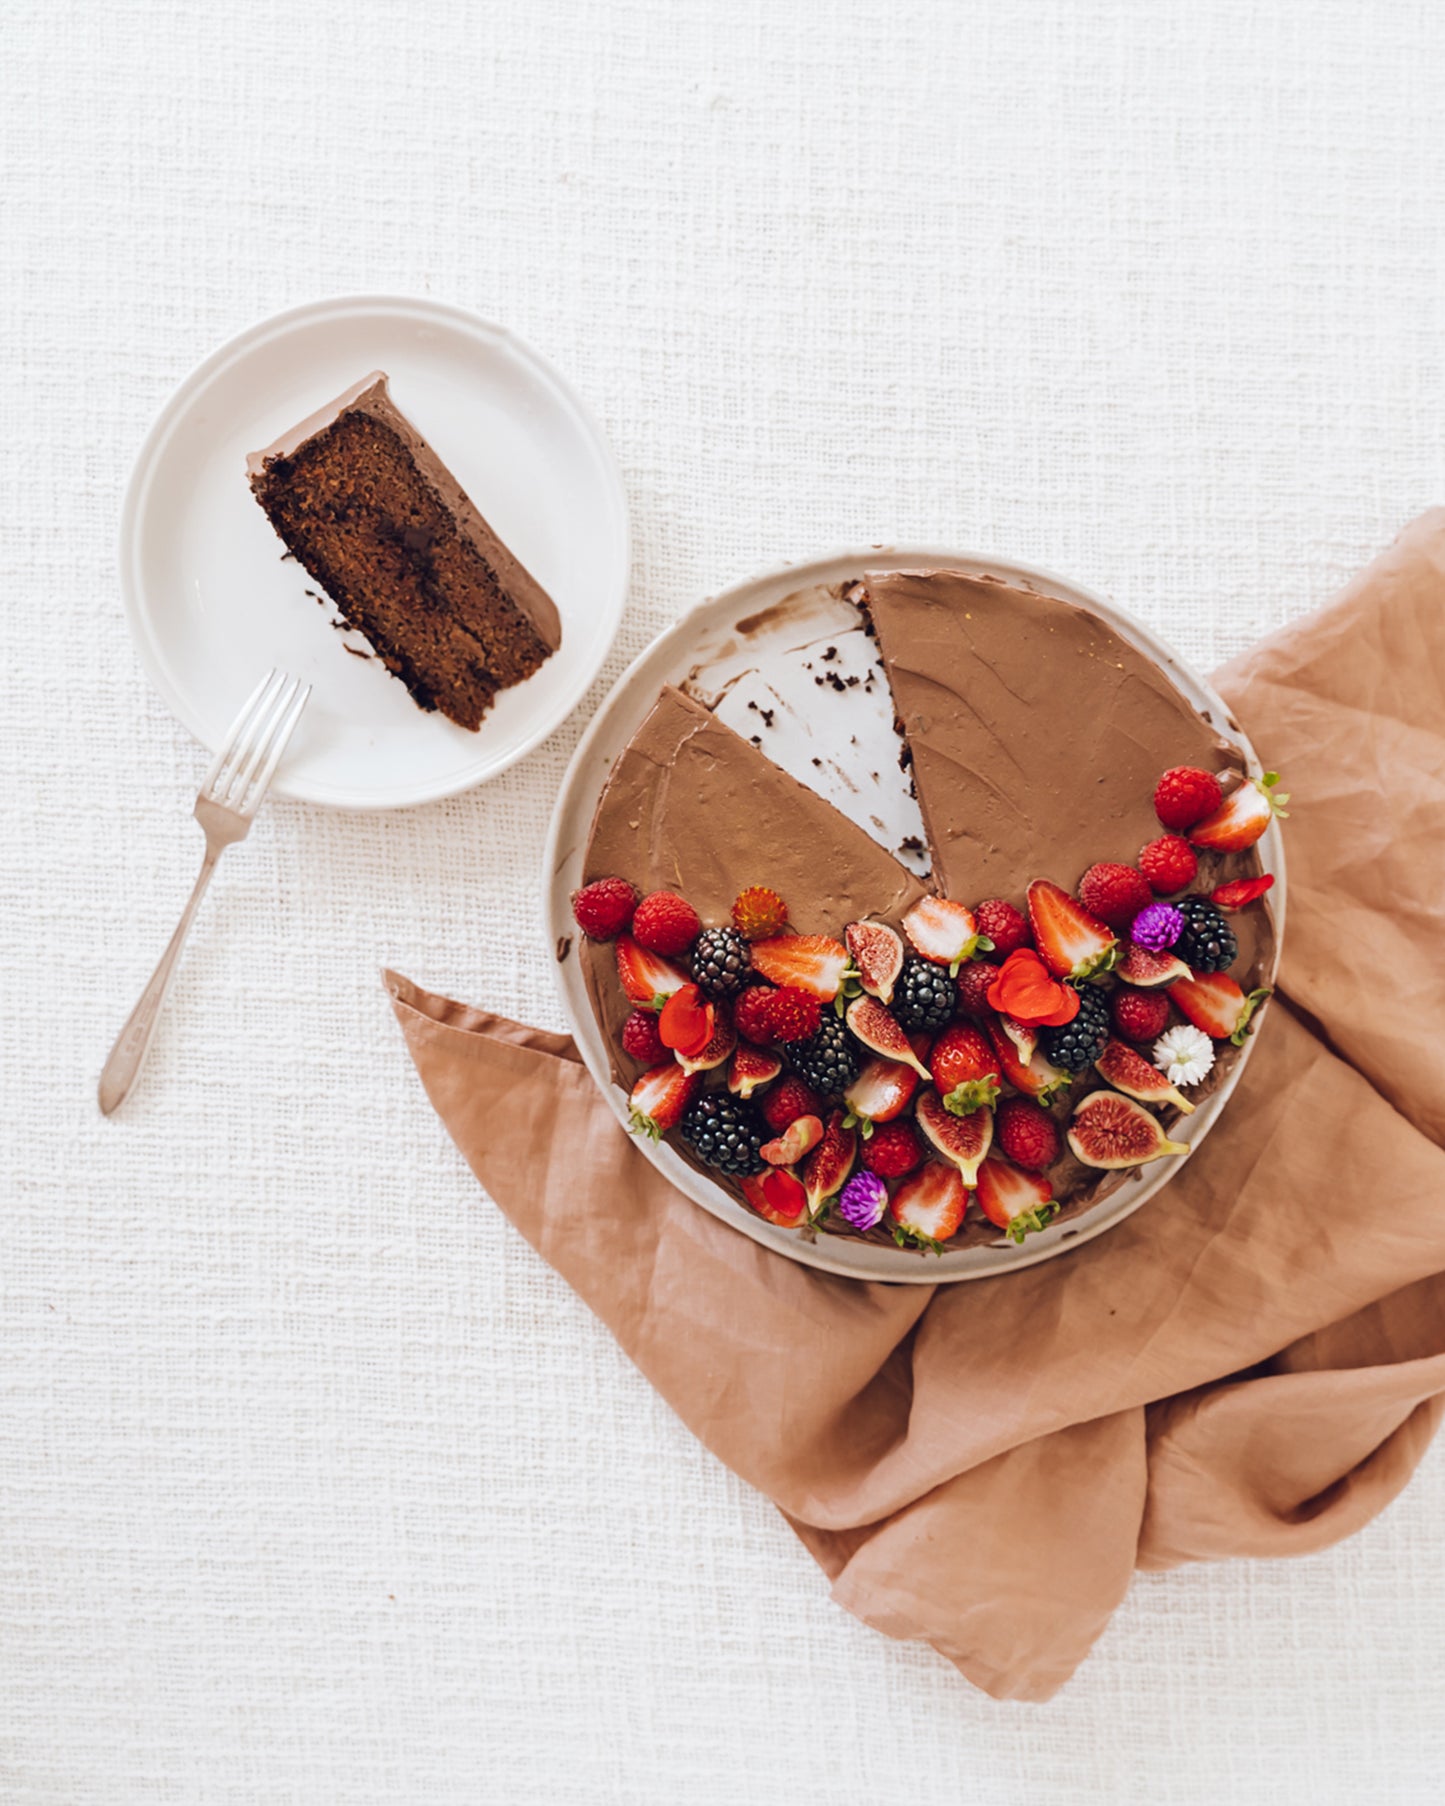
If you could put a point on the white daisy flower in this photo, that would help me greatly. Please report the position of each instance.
(1184, 1054)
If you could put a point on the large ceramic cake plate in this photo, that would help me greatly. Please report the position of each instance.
(761, 645)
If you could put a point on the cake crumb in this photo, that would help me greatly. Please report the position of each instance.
(564, 947)
(357, 652)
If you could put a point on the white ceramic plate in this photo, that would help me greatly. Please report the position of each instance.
(213, 605)
(789, 614)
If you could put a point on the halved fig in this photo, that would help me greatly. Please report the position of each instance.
(721, 1042)
(962, 1140)
(830, 1163)
(1132, 1074)
(1141, 967)
(877, 952)
(778, 1196)
(871, 1024)
(1024, 1038)
(800, 1137)
(1112, 1131)
(751, 1068)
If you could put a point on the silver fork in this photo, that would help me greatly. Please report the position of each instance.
(226, 806)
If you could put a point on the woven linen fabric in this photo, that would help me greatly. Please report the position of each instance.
(315, 1484)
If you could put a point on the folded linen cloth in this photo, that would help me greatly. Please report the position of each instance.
(1251, 1364)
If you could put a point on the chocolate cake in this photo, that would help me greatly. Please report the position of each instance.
(374, 516)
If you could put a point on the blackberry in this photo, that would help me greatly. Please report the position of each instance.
(1207, 943)
(726, 1133)
(828, 1060)
(1080, 1042)
(721, 961)
(925, 996)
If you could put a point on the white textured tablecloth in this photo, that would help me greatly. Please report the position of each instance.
(315, 1484)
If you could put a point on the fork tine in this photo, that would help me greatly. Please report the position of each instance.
(247, 763)
(281, 732)
(238, 731)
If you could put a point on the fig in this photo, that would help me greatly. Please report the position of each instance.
(1146, 970)
(1112, 1131)
(800, 1137)
(877, 952)
(720, 1044)
(777, 1196)
(830, 1163)
(962, 1140)
(751, 1068)
(1132, 1074)
(871, 1024)
(1024, 1038)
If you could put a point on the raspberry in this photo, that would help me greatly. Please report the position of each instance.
(641, 1041)
(759, 913)
(973, 983)
(786, 1101)
(892, 1150)
(1139, 1015)
(1169, 864)
(603, 908)
(1114, 893)
(792, 1014)
(750, 1014)
(1003, 925)
(665, 923)
(1027, 1134)
(1186, 795)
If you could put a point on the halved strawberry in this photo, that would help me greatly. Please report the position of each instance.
(1242, 817)
(659, 1098)
(720, 1043)
(778, 1196)
(1072, 942)
(687, 1021)
(965, 1068)
(1017, 1202)
(830, 1162)
(811, 962)
(944, 932)
(881, 1091)
(799, 1138)
(871, 1024)
(1035, 1077)
(750, 1069)
(877, 952)
(928, 1207)
(1214, 1002)
(647, 978)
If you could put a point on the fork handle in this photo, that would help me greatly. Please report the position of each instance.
(133, 1042)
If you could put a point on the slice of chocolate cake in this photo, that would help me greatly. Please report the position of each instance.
(371, 512)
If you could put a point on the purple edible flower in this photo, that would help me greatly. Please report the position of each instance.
(863, 1200)
(1157, 927)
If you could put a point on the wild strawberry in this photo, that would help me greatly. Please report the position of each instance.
(1138, 1015)
(1169, 863)
(660, 1097)
(973, 983)
(777, 1195)
(666, 923)
(750, 1068)
(750, 1014)
(881, 1091)
(1185, 795)
(647, 978)
(811, 962)
(787, 1101)
(1243, 891)
(1027, 1134)
(965, 1068)
(1002, 924)
(1214, 1002)
(800, 1137)
(929, 1207)
(640, 1039)
(892, 1150)
(942, 931)
(759, 913)
(687, 1021)
(603, 908)
(1073, 944)
(1114, 893)
(792, 1014)
(1019, 1203)
(1242, 817)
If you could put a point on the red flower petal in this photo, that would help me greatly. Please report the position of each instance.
(1242, 891)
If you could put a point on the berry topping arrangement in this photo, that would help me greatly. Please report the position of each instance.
(988, 1063)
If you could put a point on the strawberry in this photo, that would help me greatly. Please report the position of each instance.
(759, 913)
(750, 1014)
(1114, 894)
(777, 1196)
(1242, 817)
(944, 932)
(881, 1091)
(811, 962)
(1026, 1133)
(800, 1137)
(1214, 1002)
(603, 908)
(1073, 944)
(1243, 891)
(750, 1068)
(973, 983)
(1169, 863)
(687, 1021)
(640, 1039)
(1185, 795)
(1017, 1202)
(830, 1162)
(892, 1150)
(666, 923)
(787, 1101)
(929, 1207)
(965, 1068)
(659, 1098)
(1139, 1015)
(792, 1014)
(1036, 1078)
(647, 978)
(1002, 924)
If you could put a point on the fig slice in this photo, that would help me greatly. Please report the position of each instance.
(877, 953)
(751, 1068)
(1147, 970)
(1112, 1131)
(871, 1024)
(720, 1044)
(800, 1137)
(1132, 1074)
(962, 1140)
(830, 1163)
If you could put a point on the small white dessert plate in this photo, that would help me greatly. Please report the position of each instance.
(212, 601)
